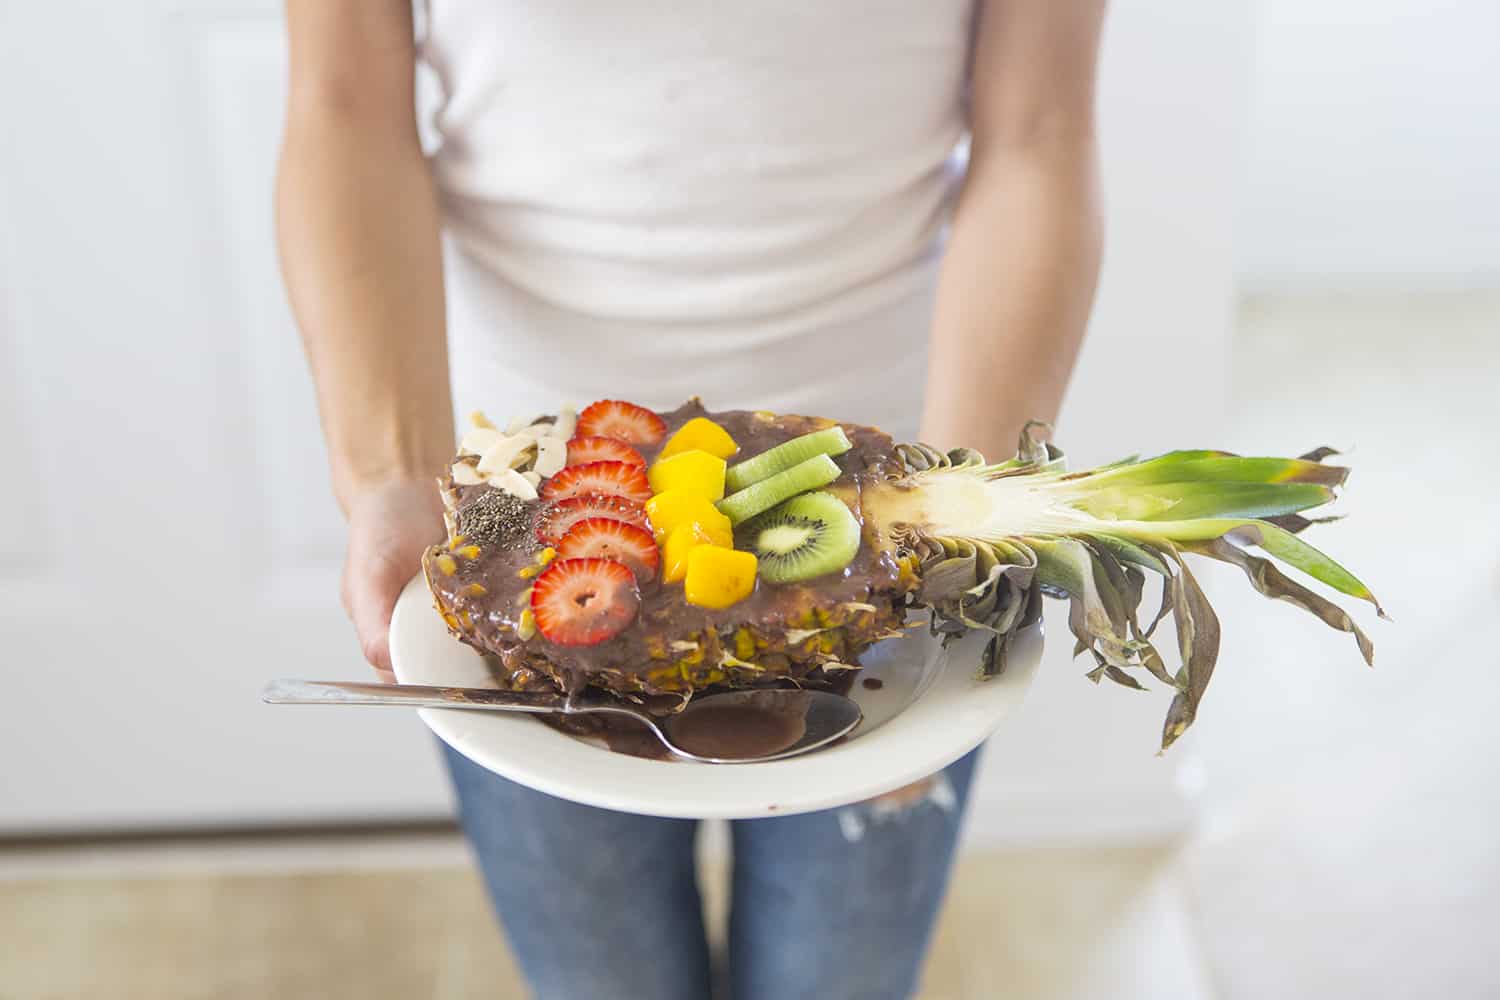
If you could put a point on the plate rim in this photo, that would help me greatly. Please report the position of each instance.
(836, 776)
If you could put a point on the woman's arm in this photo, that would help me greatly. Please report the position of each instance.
(1022, 261)
(358, 228)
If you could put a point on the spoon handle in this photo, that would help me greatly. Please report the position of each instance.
(299, 692)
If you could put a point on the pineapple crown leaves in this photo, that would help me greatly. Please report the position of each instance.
(990, 539)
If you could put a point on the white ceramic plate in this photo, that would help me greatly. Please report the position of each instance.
(929, 711)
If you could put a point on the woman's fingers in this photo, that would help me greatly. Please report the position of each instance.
(373, 579)
(387, 536)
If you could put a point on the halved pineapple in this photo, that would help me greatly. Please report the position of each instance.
(977, 543)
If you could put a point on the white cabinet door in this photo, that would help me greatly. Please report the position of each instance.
(167, 541)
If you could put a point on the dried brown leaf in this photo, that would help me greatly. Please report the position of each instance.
(1270, 581)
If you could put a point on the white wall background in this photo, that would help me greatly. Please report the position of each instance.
(1373, 145)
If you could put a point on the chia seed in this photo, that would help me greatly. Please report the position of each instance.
(496, 517)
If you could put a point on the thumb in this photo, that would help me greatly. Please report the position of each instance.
(374, 576)
(389, 529)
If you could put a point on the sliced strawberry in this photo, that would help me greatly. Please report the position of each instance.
(622, 421)
(607, 539)
(582, 450)
(582, 602)
(557, 517)
(618, 479)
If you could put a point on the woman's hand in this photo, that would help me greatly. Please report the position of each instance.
(390, 526)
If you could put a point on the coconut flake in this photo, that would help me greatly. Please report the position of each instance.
(532, 476)
(479, 440)
(465, 474)
(566, 423)
(551, 455)
(504, 454)
(512, 482)
(518, 424)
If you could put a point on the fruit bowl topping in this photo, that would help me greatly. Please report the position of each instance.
(700, 434)
(804, 538)
(718, 577)
(828, 441)
(761, 496)
(606, 538)
(582, 602)
(619, 479)
(712, 529)
(622, 421)
(583, 450)
(668, 510)
(695, 472)
(514, 460)
(559, 516)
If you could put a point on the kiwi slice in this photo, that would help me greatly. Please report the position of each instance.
(829, 441)
(806, 537)
(741, 506)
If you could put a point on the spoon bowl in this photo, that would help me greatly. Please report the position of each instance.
(735, 727)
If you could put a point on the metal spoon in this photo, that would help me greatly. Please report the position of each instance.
(736, 727)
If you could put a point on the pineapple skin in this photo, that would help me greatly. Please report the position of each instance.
(826, 638)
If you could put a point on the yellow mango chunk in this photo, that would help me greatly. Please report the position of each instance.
(681, 541)
(717, 577)
(695, 472)
(700, 434)
(668, 510)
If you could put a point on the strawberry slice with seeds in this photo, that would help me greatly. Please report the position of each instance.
(606, 539)
(559, 516)
(620, 479)
(582, 450)
(622, 421)
(582, 602)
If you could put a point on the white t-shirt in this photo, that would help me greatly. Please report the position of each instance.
(650, 199)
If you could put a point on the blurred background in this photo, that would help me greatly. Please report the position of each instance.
(1303, 249)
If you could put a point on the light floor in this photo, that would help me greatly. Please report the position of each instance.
(1348, 846)
(351, 918)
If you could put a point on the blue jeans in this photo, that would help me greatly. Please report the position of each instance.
(601, 905)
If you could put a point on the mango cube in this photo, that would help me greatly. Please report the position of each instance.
(700, 434)
(718, 577)
(695, 472)
(682, 539)
(668, 510)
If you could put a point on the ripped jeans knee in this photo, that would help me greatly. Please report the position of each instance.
(935, 791)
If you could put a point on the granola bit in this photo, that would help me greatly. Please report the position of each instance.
(447, 564)
(468, 551)
(476, 590)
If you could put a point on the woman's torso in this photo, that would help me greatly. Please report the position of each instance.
(652, 198)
